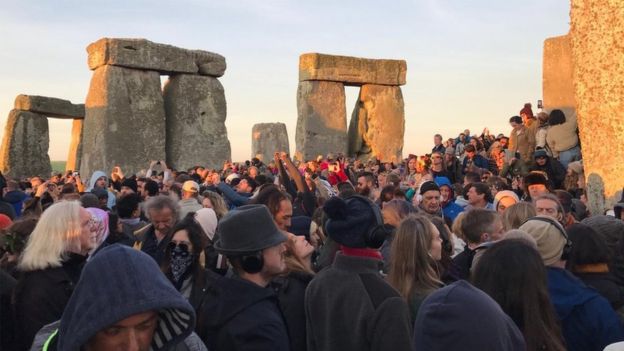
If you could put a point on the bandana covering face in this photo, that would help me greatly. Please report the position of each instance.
(181, 260)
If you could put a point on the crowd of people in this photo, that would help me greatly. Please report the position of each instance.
(485, 243)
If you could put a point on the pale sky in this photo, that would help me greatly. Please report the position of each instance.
(470, 64)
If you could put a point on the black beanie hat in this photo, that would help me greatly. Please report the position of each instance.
(427, 186)
(349, 220)
(130, 183)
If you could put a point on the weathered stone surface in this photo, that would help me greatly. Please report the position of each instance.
(597, 31)
(322, 120)
(125, 121)
(50, 107)
(557, 86)
(268, 138)
(75, 146)
(351, 70)
(25, 146)
(378, 124)
(163, 58)
(196, 111)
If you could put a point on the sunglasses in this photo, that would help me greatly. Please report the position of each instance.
(184, 246)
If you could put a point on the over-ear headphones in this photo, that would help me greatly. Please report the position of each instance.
(252, 263)
(378, 233)
(567, 248)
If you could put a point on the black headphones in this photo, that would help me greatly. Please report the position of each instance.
(378, 233)
(252, 263)
(567, 248)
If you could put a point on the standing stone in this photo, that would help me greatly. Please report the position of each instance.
(378, 124)
(597, 31)
(267, 139)
(557, 86)
(125, 121)
(25, 146)
(75, 146)
(196, 135)
(322, 120)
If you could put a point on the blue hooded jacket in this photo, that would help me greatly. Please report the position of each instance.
(451, 209)
(110, 203)
(588, 322)
(117, 283)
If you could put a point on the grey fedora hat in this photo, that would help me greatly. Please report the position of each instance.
(247, 229)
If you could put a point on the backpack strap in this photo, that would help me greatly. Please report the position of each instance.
(378, 291)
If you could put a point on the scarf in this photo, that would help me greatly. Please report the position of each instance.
(180, 263)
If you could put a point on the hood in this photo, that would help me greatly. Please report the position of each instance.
(229, 297)
(117, 283)
(15, 196)
(462, 317)
(100, 217)
(94, 177)
(566, 291)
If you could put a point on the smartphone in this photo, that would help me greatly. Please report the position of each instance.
(75, 174)
(540, 104)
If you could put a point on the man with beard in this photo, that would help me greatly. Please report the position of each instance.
(162, 211)
(365, 185)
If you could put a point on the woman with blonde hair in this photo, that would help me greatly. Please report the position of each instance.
(214, 201)
(50, 267)
(291, 288)
(515, 215)
(416, 248)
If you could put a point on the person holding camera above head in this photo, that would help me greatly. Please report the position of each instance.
(240, 312)
(349, 306)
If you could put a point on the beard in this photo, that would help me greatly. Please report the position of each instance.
(364, 191)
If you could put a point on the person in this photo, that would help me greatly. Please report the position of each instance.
(549, 205)
(365, 185)
(479, 196)
(553, 169)
(535, 184)
(452, 165)
(135, 309)
(504, 199)
(50, 267)
(430, 203)
(528, 119)
(450, 209)
(14, 196)
(542, 132)
(512, 165)
(393, 212)
(437, 168)
(437, 145)
(562, 137)
(239, 312)
(474, 162)
(478, 226)
(589, 261)
(291, 287)
(162, 212)
(517, 214)
(190, 198)
(181, 264)
(587, 320)
(129, 212)
(240, 196)
(278, 203)
(98, 184)
(521, 139)
(611, 230)
(362, 312)
(502, 270)
(462, 317)
(213, 200)
(416, 248)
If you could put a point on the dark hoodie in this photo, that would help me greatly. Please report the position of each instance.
(588, 322)
(239, 315)
(16, 198)
(117, 283)
(463, 318)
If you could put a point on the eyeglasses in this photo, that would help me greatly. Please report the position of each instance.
(184, 245)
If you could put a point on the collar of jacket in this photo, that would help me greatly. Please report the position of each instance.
(357, 264)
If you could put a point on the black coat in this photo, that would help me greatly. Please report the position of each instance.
(607, 285)
(40, 298)
(555, 171)
(290, 294)
(236, 314)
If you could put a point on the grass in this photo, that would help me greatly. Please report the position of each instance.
(58, 166)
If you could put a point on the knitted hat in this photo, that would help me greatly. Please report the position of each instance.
(540, 153)
(428, 186)
(130, 183)
(527, 110)
(207, 219)
(549, 238)
(611, 228)
(503, 194)
(247, 229)
(349, 220)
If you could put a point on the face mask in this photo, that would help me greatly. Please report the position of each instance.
(181, 260)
